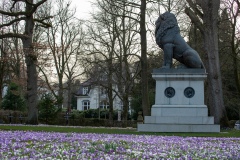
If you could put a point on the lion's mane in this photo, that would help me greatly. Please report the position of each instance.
(166, 22)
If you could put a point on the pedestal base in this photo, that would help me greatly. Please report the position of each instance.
(179, 103)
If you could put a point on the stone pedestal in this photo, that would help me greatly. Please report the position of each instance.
(179, 103)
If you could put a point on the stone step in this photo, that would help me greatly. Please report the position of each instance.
(183, 111)
(179, 120)
(178, 106)
(178, 128)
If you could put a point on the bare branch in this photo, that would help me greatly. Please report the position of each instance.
(13, 14)
(132, 4)
(149, 1)
(15, 1)
(115, 14)
(35, 6)
(13, 35)
(13, 21)
(44, 24)
(47, 82)
(195, 9)
(194, 19)
(13, 5)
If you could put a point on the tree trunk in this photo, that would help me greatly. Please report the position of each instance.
(125, 110)
(1, 82)
(144, 78)
(2, 72)
(60, 93)
(31, 61)
(235, 54)
(69, 94)
(110, 92)
(110, 100)
(210, 20)
(32, 90)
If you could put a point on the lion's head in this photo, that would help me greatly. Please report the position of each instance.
(165, 22)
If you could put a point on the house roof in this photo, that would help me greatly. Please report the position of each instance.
(88, 83)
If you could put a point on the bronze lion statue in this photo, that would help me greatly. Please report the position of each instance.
(168, 38)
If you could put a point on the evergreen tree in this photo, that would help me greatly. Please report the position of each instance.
(47, 108)
(13, 99)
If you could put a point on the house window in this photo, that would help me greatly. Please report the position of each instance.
(121, 105)
(104, 105)
(85, 90)
(86, 105)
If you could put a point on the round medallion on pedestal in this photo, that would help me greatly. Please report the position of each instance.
(189, 92)
(169, 92)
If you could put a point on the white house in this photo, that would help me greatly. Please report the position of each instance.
(92, 96)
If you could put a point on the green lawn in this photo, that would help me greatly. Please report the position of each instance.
(223, 133)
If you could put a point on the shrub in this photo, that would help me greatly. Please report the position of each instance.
(17, 116)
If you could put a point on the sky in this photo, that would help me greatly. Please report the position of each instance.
(83, 7)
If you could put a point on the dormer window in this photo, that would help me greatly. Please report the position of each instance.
(85, 90)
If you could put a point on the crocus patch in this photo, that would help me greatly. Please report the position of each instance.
(20, 145)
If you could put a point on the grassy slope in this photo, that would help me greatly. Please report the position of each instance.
(224, 133)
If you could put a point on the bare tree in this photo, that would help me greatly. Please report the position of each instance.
(101, 44)
(139, 15)
(64, 42)
(144, 64)
(12, 62)
(3, 59)
(27, 15)
(3, 69)
(233, 10)
(229, 56)
(73, 71)
(204, 15)
(114, 49)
